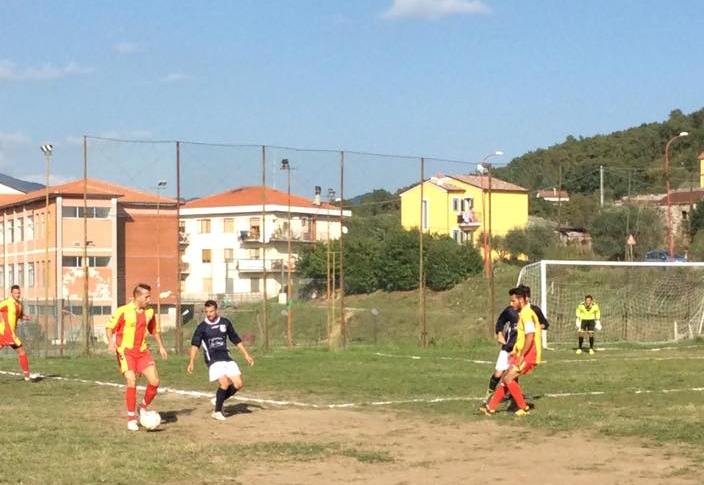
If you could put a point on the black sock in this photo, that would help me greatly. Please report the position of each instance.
(493, 382)
(581, 341)
(220, 399)
(591, 342)
(230, 391)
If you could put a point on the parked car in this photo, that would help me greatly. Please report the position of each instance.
(663, 256)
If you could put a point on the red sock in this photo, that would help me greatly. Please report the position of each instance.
(497, 397)
(131, 401)
(517, 394)
(149, 395)
(24, 363)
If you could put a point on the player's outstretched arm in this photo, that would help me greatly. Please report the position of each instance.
(247, 357)
(194, 352)
(112, 348)
(162, 350)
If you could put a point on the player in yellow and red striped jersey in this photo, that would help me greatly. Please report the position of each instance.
(526, 355)
(10, 314)
(126, 333)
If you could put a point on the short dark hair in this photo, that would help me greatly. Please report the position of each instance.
(14, 287)
(526, 289)
(141, 287)
(211, 303)
(519, 291)
(588, 297)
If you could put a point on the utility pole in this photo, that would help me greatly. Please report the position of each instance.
(559, 197)
(421, 274)
(262, 230)
(86, 300)
(601, 185)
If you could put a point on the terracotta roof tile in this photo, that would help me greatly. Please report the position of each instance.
(482, 181)
(246, 196)
(96, 188)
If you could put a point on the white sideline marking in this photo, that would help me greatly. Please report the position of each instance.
(586, 359)
(273, 402)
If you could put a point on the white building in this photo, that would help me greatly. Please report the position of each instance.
(226, 247)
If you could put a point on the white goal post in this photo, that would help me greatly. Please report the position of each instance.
(639, 301)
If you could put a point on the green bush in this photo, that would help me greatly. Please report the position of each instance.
(535, 242)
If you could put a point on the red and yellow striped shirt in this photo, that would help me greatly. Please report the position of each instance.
(130, 325)
(10, 313)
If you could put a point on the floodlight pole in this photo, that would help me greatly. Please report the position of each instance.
(47, 150)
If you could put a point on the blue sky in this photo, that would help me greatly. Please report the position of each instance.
(451, 78)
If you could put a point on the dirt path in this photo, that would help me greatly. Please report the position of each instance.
(439, 452)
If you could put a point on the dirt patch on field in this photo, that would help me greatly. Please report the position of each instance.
(300, 446)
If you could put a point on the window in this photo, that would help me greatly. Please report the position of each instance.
(254, 253)
(229, 256)
(77, 261)
(20, 274)
(2, 276)
(19, 232)
(455, 204)
(203, 226)
(10, 274)
(228, 225)
(30, 275)
(207, 285)
(456, 235)
(467, 204)
(254, 285)
(29, 233)
(425, 215)
(91, 212)
(10, 231)
(71, 261)
(206, 256)
(97, 310)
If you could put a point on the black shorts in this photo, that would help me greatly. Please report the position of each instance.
(587, 326)
(12, 346)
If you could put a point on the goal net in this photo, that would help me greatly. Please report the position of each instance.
(639, 301)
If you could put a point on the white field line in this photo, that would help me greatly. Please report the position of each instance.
(585, 359)
(284, 403)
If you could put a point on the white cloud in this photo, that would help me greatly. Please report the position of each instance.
(435, 9)
(16, 138)
(10, 71)
(125, 47)
(175, 77)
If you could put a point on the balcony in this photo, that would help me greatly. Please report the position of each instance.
(468, 220)
(280, 234)
(253, 235)
(185, 268)
(183, 239)
(258, 266)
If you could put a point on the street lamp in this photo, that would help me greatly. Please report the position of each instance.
(285, 165)
(161, 185)
(670, 240)
(486, 168)
(48, 151)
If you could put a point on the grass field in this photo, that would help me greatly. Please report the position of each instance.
(66, 431)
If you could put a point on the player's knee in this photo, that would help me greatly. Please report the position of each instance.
(238, 383)
(21, 352)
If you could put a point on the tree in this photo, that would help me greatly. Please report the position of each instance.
(609, 234)
(534, 242)
(697, 219)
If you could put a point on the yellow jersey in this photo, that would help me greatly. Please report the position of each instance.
(528, 323)
(588, 313)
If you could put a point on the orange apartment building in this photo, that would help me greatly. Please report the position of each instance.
(124, 235)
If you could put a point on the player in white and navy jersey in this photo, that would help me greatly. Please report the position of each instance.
(212, 334)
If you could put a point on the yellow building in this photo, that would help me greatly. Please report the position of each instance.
(457, 206)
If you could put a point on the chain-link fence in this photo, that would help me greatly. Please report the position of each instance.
(299, 246)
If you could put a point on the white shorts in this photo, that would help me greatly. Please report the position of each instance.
(223, 369)
(502, 361)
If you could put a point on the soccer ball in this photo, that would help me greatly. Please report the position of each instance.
(150, 420)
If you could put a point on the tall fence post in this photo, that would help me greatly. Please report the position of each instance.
(86, 302)
(421, 269)
(265, 316)
(179, 318)
(343, 323)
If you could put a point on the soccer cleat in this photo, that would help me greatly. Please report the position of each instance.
(132, 425)
(485, 409)
(218, 416)
(522, 412)
(591, 352)
(579, 351)
(27, 378)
